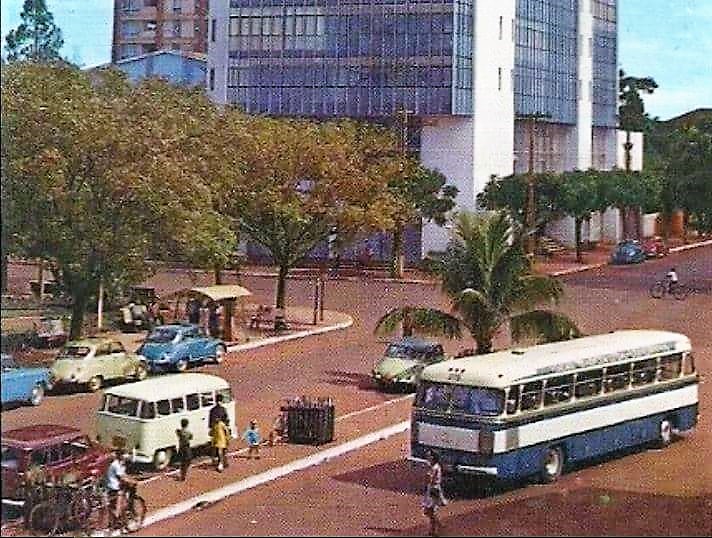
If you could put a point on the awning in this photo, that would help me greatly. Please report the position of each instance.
(216, 293)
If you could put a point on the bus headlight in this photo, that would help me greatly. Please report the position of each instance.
(486, 441)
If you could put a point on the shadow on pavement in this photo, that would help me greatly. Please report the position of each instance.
(359, 380)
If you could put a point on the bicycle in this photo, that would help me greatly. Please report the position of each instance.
(133, 513)
(662, 287)
(64, 507)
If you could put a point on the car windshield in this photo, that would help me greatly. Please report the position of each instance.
(162, 335)
(8, 362)
(460, 399)
(9, 457)
(74, 352)
(402, 351)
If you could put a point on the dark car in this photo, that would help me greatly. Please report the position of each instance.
(628, 251)
(655, 247)
(51, 450)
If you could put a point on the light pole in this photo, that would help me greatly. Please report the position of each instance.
(530, 215)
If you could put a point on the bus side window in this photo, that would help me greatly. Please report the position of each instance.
(531, 396)
(163, 407)
(644, 372)
(512, 399)
(558, 389)
(617, 377)
(192, 402)
(207, 399)
(589, 383)
(670, 367)
(148, 410)
(178, 405)
(688, 364)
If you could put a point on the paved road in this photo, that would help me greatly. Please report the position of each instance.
(373, 492)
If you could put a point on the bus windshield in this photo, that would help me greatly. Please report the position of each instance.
(460, 399)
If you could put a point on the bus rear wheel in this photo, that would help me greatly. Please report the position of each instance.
(552, 464)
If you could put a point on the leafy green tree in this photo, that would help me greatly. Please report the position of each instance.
(37, 37)
(578, 198)
(489, 281)
(95, 184)
(423, 194)
(634, 190)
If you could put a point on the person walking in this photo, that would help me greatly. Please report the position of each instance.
(219, 427)
(434, 497)
(185, 453)
(252, 436)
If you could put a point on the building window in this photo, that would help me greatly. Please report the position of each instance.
(177, 6)
(501, 29)
(129, 28)
(176, 28)
(212, 79)
(213, 29)
(130, 6)
(499, 78)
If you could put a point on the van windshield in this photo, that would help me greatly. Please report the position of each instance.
(460, 399)
(162, 335)
(120, 405)
(400, 351)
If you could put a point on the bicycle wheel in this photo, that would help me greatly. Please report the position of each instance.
(680, 292)
(135, 513)
(658, 290)
(44, 518)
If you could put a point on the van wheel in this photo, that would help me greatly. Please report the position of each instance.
(664, 433)
(219, 354)
(182, 365)
(95, 383)
(37, 394)
(162, 459)
(552, 464)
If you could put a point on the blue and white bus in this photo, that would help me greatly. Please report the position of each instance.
(531, 411)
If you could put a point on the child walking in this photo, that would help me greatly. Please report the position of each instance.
(252, 436)
(185, 454)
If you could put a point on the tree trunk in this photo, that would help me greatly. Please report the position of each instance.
(484, 345)
(578, 221)
(218, 275)
(685, 224)
(638, 212)
(5, 262)
(600, 226)
(79, 307)
(40, 279)
(407, 325)
(281, 286)
(624, 221)
(398, 257)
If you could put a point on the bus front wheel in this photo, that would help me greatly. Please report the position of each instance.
(552, 464)
(665, 433)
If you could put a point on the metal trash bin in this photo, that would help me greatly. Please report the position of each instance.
(310, 422)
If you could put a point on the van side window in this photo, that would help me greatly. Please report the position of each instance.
(644, 372)
(178, 405)
(148, 410)
(688, 365)
(163, 407)
(531, 396)
(192, 402)
(558, 389)
(226, 394)
(670, 367)
(207, 399)
(617, 377)
(589, 383)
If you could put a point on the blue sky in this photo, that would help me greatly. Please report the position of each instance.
(670, 40)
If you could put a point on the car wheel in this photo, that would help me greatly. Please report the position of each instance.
(37, 394)
(664, 433)
(182, 365)
(552, 464)
(162, 459)
(141, 372)
(95, 383)
(219, 354)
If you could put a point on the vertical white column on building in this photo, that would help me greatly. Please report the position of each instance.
(218, 45)
(584, 129)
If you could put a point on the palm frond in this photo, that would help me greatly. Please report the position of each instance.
(426, 321)
(543, 325)
(533, 290)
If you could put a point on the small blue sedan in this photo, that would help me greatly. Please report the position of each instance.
(22, 384)
(628, 251)
(177, 346)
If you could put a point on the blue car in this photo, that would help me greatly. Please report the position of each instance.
(23, 384)
(628, 251)
(177, 346)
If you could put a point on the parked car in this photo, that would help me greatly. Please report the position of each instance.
(49, 332)
(52, 451)
(177, 346)
(628, 251)
(655, 247)
(93, 361)
(403, 361)
(23, 384)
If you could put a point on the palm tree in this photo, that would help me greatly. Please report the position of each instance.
(488, 278)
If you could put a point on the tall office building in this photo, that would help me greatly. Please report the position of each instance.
(477, 76)
(143, 26)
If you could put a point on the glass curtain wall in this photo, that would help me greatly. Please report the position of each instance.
(358, 58)
(605, 63)
(546, 66)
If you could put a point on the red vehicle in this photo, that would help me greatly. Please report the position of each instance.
(655, 247)
(56, 450)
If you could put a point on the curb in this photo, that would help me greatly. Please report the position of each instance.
(692, 245)
(344, 278)
(293, 336)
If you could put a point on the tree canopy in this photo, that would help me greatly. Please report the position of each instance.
(37, 37)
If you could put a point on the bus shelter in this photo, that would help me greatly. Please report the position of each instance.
(229, 296)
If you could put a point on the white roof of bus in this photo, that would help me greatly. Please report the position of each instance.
(504, 368)
(168, 386)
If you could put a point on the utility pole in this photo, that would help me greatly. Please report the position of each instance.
(398, 261)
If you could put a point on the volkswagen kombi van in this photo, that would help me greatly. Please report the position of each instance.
(143, 417)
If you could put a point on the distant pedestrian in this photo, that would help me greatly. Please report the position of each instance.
(218, 412)
(205, 317)
(213, 320)
(185, 453)
(193, 311)
(434, 497)
(279, 428)
(220, 435)
(252, 436)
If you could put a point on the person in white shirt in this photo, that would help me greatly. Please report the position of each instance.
(116, 480)
(671, 279)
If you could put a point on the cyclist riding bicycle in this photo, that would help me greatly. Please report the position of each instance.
(117, 483)
(671, 280)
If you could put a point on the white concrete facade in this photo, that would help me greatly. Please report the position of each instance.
(584, 129)
(219, 22)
